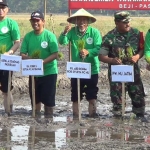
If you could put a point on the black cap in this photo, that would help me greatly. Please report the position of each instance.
(3, 2)
(37, 15)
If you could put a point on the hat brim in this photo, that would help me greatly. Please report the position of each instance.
(73, 19)
(124, 20)
(81, 13)
(35, 18)
(4, 5)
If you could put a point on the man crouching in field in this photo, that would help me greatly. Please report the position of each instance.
(42, 44)
(9, 43)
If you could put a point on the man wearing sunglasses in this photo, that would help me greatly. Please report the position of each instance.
(9, 43)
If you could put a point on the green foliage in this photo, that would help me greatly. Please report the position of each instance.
(2, 49)
(55, 6)
(60, 56)
(147, 58)
(36, 54)
(80, 44)
(129, 51)
(121, 54)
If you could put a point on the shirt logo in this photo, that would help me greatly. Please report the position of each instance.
(44, 44)
(89, 40)
(4, 30)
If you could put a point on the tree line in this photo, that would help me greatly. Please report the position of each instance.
(57, 6)
(26, 6)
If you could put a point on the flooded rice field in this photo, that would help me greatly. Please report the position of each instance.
(21, 131)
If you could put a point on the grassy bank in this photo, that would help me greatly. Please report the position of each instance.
(103, 23)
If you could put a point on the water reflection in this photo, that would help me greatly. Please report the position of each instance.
(28, 138)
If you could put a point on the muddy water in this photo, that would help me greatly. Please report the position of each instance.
(22, 132)
(25, 137)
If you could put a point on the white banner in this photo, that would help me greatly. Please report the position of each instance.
(32, 67)
(78, 70)
(122, 73)
(10, 62)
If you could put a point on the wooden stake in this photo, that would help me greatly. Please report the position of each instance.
(45, 9)
(79, 108)
(123, 99)
(8, 138)
(33, 136)
(33, 96)
(8, 93)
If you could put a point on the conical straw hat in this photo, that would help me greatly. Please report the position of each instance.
(81, 12)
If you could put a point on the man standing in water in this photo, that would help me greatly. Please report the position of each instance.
(45, 43)
(9, 42)
(118, 41)
(91, 42)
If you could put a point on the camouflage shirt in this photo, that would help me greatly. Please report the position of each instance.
(117, 44)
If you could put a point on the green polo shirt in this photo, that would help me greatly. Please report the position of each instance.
(46, 43)
(9, 32)
(93, 40)
(147, 44)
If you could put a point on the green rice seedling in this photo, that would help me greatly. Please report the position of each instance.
(60, 56)
(2, 49)
(36, 54)
(147, 58)
(121, 54)
(80, 44)
(129, 51)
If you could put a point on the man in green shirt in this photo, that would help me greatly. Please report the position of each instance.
(44, 43)
(9, 43)
(86, 52)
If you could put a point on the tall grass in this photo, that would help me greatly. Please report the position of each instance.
(103, 23)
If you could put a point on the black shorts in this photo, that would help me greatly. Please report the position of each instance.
(45, 89)
(87, 86)
(4, 81)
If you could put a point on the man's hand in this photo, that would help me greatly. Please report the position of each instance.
(84, 53)
(67, 29)
(116, 61)
(134, 58)
(10, 52)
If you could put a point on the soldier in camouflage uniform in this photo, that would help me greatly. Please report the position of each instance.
(124, 45)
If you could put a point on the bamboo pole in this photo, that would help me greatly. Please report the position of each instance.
(70, 58)
(33, 136)
(8, 138)
(33, 96)
(8, 93)
(79, 108)
(123, 99)
(45, 9)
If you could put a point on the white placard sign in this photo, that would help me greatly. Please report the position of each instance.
(10, 62)
(32, 67)
(122, 73)
(78, 70)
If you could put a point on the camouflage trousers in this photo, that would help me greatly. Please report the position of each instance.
(135, 91)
